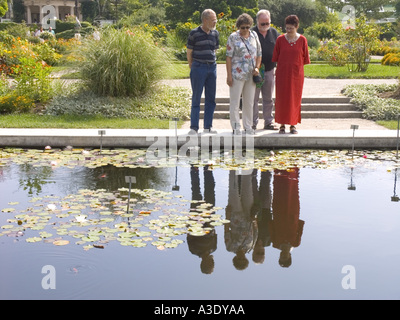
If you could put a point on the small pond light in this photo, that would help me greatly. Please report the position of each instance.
(398, 130)
(352, 186)
(101, 133)
(395, 197)
(130, 180)
(353, 127)
(175, 187)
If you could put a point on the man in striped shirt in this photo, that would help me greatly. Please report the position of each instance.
(201, 55)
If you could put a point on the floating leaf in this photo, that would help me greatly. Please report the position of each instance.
(7, 226)
(33, 239)
(61, 242)
(45, 234)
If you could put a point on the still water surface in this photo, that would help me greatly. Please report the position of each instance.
(292, 234)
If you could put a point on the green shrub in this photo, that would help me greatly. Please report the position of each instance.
(366, 97)
(123, 63)
(32, 80)
(14, 29)
(47, 53)
(67, 34)
(332, 52)
(12, 102)
(164, 103)
(391, 59)
(62, 26)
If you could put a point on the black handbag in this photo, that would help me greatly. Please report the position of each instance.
(258, 78)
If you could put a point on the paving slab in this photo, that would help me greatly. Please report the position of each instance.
(160, 139)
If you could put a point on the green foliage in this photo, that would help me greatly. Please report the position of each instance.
(352, 47)
(308, 12)
(14, 29)
(391, 59)
(47, 53)
(358, 44)
(374, 108)
(3, 7)
(326, 29)
(164, 103)
(146, 15)
(62, 26)
(32, 80)
(13, 102)
(331, 52)
(123, 63)
(370, 7)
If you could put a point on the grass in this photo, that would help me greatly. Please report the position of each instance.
(79, 122)
(375, 71)
(389, 124)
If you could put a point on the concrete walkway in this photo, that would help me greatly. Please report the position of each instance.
(313, 133)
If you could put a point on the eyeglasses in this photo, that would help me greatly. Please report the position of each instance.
(264, 24)
(243, 28)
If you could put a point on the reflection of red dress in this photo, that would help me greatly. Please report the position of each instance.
(290, 58)
(286, 226)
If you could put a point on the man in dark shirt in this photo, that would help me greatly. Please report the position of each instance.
(267, 36)
(201, 55)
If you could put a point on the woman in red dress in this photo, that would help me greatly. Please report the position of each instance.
(291, 54)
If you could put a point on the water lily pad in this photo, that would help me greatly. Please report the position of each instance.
(33, 239)
(7, 226)
(45, 234)
(61, 242)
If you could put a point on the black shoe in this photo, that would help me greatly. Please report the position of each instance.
(270, 127)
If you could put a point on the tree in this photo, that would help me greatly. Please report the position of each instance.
(183, 10)
(358, 44)
(308, 11)
(3, 7)
(370, 8)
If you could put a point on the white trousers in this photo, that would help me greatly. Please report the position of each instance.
(246, 89)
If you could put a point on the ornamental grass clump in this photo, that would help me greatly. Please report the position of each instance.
(123, 63)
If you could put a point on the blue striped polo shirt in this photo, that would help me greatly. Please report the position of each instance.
(203, 44)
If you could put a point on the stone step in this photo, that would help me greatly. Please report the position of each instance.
(312, 108)
(305, 107)
(322, 99)
(305, 115)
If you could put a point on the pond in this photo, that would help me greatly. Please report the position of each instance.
(294, 225)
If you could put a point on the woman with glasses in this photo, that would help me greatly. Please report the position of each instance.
(291, 54)
(243, 60)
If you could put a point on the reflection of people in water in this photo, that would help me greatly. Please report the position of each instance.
(203, 246)
(263, 200)
(286, 227)
(241, 233)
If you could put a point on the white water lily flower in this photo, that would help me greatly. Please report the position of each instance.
(80, 218)
(51, 207)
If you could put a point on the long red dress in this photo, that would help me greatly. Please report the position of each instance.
(290, 58)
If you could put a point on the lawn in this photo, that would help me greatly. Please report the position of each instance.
(79, 122)
(375, 71)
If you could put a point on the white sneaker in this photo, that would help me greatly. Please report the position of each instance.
(237, 132)
(211, 131)
(192, 132)
(250, 132)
